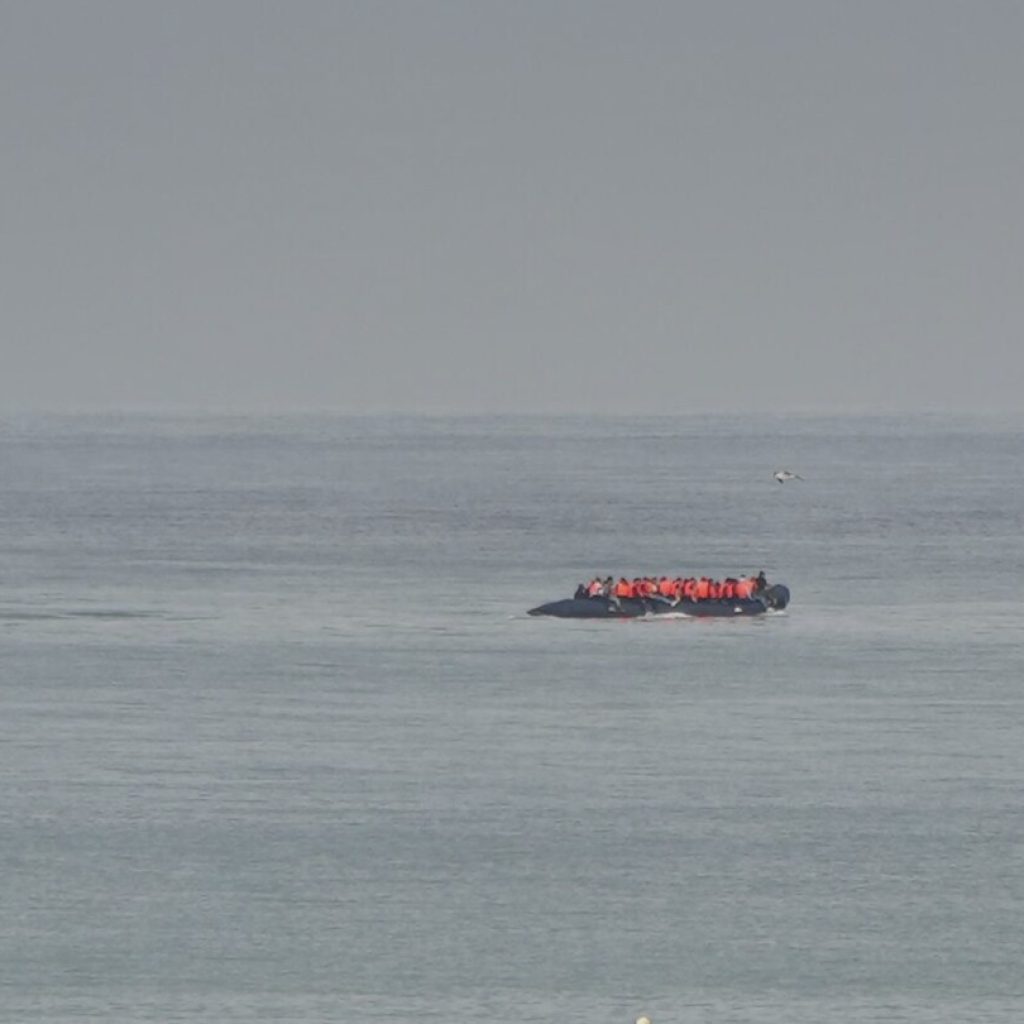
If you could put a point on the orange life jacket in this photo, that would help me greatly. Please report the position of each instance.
(703, 588)
(665, 587)
(622, 589)
(594, 588)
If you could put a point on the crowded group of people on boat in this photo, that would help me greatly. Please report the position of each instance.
(664, 588)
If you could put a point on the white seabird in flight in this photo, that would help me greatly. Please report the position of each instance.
(782, 475)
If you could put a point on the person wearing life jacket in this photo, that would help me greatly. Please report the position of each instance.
(744, 588)
(677, 589)
(594, 588)
(648, 588)
(665, 587)
(728, 588)
(703, 588)
(690, 588)
(623, 588)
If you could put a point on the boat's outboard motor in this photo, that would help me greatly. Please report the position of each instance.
(776, 596)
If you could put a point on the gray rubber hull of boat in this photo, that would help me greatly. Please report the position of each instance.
(775, 597)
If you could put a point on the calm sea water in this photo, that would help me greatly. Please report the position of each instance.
(279, 743)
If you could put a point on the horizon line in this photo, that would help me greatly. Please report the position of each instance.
(250, 411)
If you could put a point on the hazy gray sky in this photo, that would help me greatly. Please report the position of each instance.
(535, 206)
